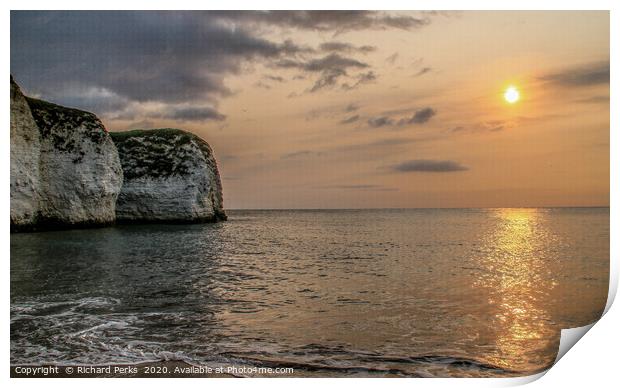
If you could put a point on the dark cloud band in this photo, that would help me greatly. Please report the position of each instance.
(586, 75)
(426, 165)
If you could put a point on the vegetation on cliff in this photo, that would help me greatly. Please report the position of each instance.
(158, 152)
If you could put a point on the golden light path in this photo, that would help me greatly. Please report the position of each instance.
(515, 263)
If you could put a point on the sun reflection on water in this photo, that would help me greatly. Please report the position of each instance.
(517, 274)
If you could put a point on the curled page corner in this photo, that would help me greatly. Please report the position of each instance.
(569, 337)
(522, 380)
(613, 285)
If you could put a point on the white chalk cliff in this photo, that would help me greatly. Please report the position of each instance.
(68, 171)
(169, 176)
(80, 170)
(65, 169)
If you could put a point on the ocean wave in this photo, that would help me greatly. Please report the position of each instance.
(96, 331)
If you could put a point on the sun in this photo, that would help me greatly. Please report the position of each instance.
(511, 95)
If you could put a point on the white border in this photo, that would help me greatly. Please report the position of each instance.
(594, 360)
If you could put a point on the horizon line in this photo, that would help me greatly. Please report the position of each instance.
(433, 208)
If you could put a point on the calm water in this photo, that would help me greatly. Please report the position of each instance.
(332, 293)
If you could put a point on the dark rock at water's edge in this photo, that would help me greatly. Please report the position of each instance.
(66, 172)
(65, 169)
(169, 176)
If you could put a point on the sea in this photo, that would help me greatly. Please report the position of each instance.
(329, 293)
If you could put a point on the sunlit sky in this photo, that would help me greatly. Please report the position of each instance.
(348, 110)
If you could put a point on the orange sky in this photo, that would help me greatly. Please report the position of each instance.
(356, 144)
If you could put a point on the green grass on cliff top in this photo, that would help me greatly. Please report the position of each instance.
(157, 153)
(165, 133)
(160, 132)
(162, 135)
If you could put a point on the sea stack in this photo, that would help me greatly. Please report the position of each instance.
(65, 174)
(169, 176)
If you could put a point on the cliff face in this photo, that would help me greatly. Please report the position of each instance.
(169, 175)
(65, 170)
(80, 169)
(25, 150)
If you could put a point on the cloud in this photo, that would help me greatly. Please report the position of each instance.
(274, 78)
(420, 116)
(378, 122)
(360, 187)
(301, 154)
(344, 47)
(502, 125)
(329, 62)
(87, 98)
(330, 69)
(335, 21)
(392, 58)
(193, 114)
(110, 62)
(427, 165)
(363, 78)
(596, 73)
(143, 124)
(595, 100)
(262, 85)
(350, 119)
(393, 142)
(386, 145)
(404, 22)
(328, 79)
(351, 108)
(485, 126)
(133, 56)
(423, 71)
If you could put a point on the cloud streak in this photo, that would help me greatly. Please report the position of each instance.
(419, 117)
(350, 119)
(586, 75)
(423, 71)
(428, 165)
(363, 78)
(301, 154)
(381, 121)
(332, 21)
(330, 69)
(360, 187)
(195, 114)
(344, 47)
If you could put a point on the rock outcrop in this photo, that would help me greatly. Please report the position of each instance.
(68, 171)
(65, 171)
(169, 176)
(25, 150)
